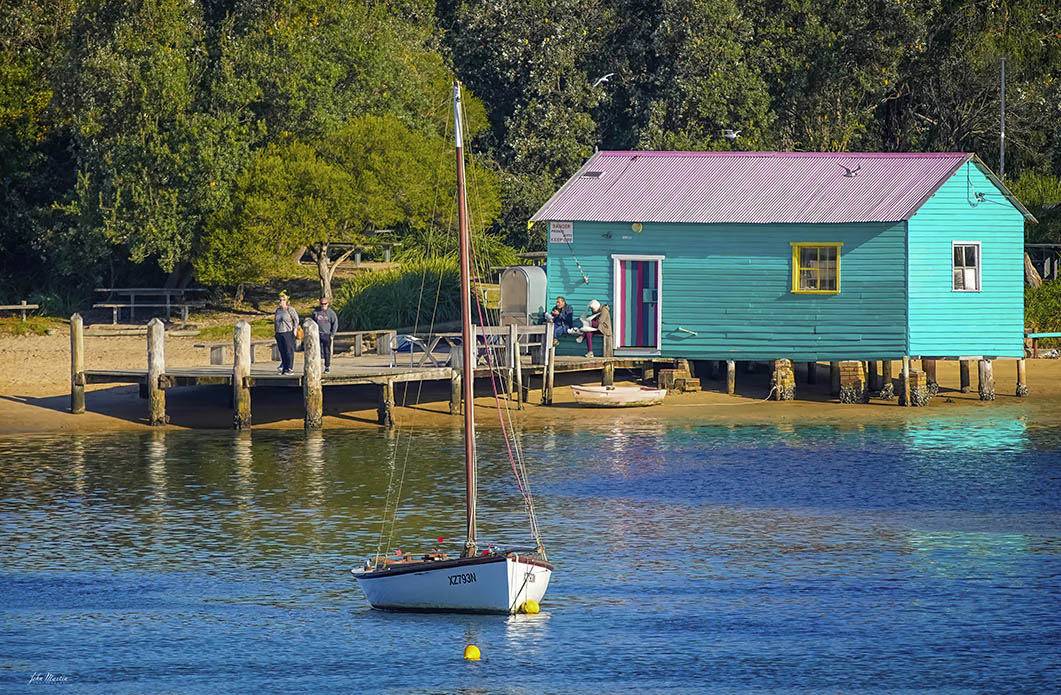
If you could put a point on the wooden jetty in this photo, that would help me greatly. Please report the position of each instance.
(379, 370)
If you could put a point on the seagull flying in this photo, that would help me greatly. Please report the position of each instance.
(730, 134)
(603, 78)
(848, 171)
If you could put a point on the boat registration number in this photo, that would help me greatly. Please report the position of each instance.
(466, 578)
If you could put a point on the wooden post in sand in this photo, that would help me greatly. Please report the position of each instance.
(547, 378)
(512, 355)
(77, 364)
(812, 372)
(906, 381)
(456, 359)
(1022, 379)
(871, 375)
(312, 392)
(385, 403)
(834, 378)
(607, 374)
(731, 377)
(156, 368)
(241, 369)
(986, 387)
(963, 368)
(520, 396)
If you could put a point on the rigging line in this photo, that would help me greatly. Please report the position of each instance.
(511, 440)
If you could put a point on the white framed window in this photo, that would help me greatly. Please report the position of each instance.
(965, 257)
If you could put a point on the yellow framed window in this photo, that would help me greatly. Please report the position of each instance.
(816, 267)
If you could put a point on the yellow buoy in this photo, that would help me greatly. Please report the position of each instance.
(530, 607)
(471, 652)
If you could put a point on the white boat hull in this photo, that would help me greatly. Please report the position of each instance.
(617, 396)
(487, 584)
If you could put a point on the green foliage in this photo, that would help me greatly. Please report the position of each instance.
(261, 328)
(33, 325)
(1042, 307)
(1041, 193)
(420, 293)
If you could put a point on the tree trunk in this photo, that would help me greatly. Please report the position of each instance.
(1031, 275)
(241, 289)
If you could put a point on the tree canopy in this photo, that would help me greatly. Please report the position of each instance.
(140, 138)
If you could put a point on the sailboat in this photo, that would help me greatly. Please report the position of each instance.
(495, 580)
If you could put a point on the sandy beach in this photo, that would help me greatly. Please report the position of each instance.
(35, 396)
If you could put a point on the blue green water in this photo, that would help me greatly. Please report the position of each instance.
(710, 559)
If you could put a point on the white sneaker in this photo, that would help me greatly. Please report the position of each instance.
(589, 354)
(279, 370)
(578, 339)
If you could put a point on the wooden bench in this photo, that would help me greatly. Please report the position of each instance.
(22, 306)
(219, 350)
(1035, 340)
(384, 338)
(115, 307)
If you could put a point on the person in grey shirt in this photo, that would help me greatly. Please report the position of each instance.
(327, 325)
(285, 319)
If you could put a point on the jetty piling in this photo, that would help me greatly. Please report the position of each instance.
(385, 403)
(156, 370)
(906, 380)
(77, 364)
(963, 369)
(731, 377)
(312, 392)
(834, 378)
(986, 387)
(1022, 379)
(241, 369)
(456, 362)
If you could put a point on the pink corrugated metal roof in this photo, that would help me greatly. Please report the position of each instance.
(751, 187)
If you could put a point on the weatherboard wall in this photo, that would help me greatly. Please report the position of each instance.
(731, 286)
(949, 323)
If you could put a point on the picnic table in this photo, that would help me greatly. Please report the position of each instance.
(150, 298)
(22, 306)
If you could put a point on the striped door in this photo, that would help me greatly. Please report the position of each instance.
(639, 302)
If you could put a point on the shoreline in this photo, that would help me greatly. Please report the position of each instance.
(35, 398)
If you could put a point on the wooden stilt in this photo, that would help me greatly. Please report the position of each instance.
(456, 384)
(607, 374)
(77, 364)
(906, 380)
(812, 372)
(156, 368)
(930, 373)
(1022, 379)
(731, 377)
(547, 386)
(716, 370)
(872, 376)
(834, 378)
(963, 369)
(312, 392)
(385, 403)
(512, 356)
(986, 387)
(241, 369)
(521, 397)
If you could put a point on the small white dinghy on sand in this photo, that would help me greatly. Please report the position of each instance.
(617, 396)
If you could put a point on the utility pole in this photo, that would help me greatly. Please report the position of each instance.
(1002, 132)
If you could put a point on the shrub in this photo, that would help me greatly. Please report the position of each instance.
(1042, 307)
(421, 293)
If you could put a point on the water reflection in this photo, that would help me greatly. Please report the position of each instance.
(755, 558)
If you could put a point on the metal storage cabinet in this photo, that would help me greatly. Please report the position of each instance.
(523, 295)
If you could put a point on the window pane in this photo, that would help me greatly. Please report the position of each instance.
(829, 282)
(829, 253)
(808, 257)
(808, 280)
(959, 256)
(970, 256)
(959, 279)
(970, 279)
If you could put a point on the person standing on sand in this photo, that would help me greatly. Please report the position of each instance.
(327, 325)
(285, 319)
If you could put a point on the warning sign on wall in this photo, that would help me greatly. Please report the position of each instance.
(561, 232)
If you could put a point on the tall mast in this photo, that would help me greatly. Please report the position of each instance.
(467, 337)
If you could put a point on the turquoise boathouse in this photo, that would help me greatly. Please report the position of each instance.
(804, 256)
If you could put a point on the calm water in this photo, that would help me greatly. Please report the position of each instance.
(922, 559)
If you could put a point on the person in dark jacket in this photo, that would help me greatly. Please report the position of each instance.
(285, 319)
(327, 325)
(562, 317)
